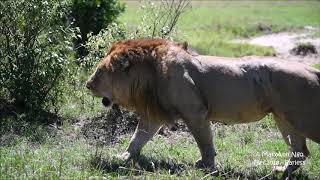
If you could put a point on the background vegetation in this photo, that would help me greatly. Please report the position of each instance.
(62, 132)
(92, 16)
(35, 50)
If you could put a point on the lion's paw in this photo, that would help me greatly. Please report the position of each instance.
(202, 164)
(207, 166)
(279, 168)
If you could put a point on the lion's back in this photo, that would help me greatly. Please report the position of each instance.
(247, 88)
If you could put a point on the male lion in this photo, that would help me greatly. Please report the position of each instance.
(162, 82)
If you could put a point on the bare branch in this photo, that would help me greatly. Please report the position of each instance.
(163, 19)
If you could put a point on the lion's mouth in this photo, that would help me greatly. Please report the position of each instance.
(106, 101)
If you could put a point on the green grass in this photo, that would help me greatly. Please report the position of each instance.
(316, 34)
(50, 152)
(66, 154)
(316, 66)
(209, 26)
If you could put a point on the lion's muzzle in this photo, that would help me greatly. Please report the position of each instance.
(106, 101)
(89, 84)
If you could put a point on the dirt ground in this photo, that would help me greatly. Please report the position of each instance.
(284, 42)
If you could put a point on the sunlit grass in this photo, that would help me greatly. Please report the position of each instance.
(68, 154)
(64, 152)
(210, 25)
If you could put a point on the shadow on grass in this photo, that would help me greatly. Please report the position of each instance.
(17, 124)
(141, 166)
(145, 165)
(232, 173)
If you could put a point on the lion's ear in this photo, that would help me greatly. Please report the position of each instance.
(183, 45)
(120, 63)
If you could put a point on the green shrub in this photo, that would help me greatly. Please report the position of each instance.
(98, 45)
(93, 15)
(36, 45)
(304, 49)
(158, 20)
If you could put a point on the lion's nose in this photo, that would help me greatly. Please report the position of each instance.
(89, 84)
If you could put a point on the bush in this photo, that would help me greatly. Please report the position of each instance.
(93, 15)
(36, 45)
(97, 45)
(304, 49)
(158, 20)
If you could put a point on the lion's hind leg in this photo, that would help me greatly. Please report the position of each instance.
(199, 126)
(297, 148)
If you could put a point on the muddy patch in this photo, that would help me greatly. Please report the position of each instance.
(285, 43)
(110, 127)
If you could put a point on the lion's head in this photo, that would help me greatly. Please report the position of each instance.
(126, 75)
(99, 84)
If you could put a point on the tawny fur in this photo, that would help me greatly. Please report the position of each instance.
(162, 82)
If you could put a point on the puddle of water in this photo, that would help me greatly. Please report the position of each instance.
(285, 41)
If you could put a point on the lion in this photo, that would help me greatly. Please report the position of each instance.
(163, 82)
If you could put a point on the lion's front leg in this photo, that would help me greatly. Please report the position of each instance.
(143, 133)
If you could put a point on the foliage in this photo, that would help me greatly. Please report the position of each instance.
(36, 46)
(304, 49)
(67, 152)
(160, 19)
(317, 66)
(93, 15)
(157, 20)
(98, 44)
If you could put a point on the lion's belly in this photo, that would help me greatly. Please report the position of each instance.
(236, 116)
(239, 101)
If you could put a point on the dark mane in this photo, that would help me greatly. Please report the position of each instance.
(138, 43)
(144, 59)
(138, 51)
(142, 87)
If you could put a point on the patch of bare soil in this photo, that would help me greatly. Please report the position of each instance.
(109, 128)
(285, 44)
